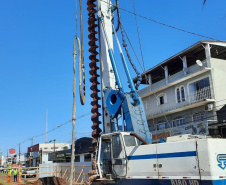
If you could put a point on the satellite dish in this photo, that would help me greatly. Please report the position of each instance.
(199, 63)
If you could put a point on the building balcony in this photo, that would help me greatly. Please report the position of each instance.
(199, 98)
(201, 95)
(179, 77)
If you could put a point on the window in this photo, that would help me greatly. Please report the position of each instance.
(117, 147)
(178, 121)
(54, 147)
(87, 157)
(129, 140)
(161, 125)
(161, 99)
(106, 149)
(77, 158)
(180, 94)
(151, 128)
(200, 116)
(198, 85)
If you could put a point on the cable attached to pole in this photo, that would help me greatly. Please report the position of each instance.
(138, 34)
(81, 61)
(124, 44)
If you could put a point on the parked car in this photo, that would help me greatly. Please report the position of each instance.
(29, 173)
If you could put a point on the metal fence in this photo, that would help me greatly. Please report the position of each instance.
(200, 95)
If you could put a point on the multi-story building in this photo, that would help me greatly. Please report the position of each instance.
(83, 153)
(38, 154)
(185, 94)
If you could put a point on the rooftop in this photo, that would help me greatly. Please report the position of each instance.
(192, 53)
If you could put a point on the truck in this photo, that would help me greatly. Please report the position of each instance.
(124, 153)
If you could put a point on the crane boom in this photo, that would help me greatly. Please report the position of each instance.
(117, 102)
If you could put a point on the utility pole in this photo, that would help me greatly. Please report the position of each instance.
(32, 141)
(46, 124)
(74, 105)
(19, 155)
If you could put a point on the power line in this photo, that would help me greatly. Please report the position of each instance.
(163, 24)
(138, 34)
(69, 121)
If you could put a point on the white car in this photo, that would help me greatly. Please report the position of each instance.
(29, 173)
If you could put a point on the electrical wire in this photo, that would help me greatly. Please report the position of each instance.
(167, 25)
(86, 133)
(39, 135)
(138, 34)
(139, 78)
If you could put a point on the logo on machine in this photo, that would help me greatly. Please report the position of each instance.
(221, 158)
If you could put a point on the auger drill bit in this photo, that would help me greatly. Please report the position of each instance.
(93, 72)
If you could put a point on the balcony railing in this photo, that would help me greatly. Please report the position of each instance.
(200, 95)
(173, 78)
(190, 99)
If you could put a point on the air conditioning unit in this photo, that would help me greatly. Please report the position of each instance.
(209, 107)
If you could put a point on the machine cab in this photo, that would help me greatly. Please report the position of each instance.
(112, 158)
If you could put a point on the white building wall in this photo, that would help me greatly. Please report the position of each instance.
(20, 158)
(45, 159)
(49, 147)
(219, 82)
(153, 108)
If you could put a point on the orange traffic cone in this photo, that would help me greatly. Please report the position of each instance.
(8, 179)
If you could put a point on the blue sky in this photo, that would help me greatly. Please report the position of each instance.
(36, 42)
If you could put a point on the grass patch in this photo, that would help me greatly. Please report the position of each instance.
(4, 183)
(3, 174)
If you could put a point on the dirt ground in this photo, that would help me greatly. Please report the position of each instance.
(34, 181)
(4, 179)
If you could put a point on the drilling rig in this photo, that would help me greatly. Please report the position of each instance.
(124, 152)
